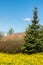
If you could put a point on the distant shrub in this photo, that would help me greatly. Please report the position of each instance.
(1, 35)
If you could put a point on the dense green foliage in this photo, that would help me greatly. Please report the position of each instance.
(33, 36)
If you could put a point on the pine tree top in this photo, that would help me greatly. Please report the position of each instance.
(35, 16)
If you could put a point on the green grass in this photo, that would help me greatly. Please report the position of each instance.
(21, 59)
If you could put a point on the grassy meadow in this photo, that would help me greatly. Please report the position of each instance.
(21, 59)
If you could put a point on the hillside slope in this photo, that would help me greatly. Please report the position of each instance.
(16, 36)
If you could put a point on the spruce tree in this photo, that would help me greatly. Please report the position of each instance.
(32, 38)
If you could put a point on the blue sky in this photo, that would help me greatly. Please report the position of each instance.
(18, 13)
